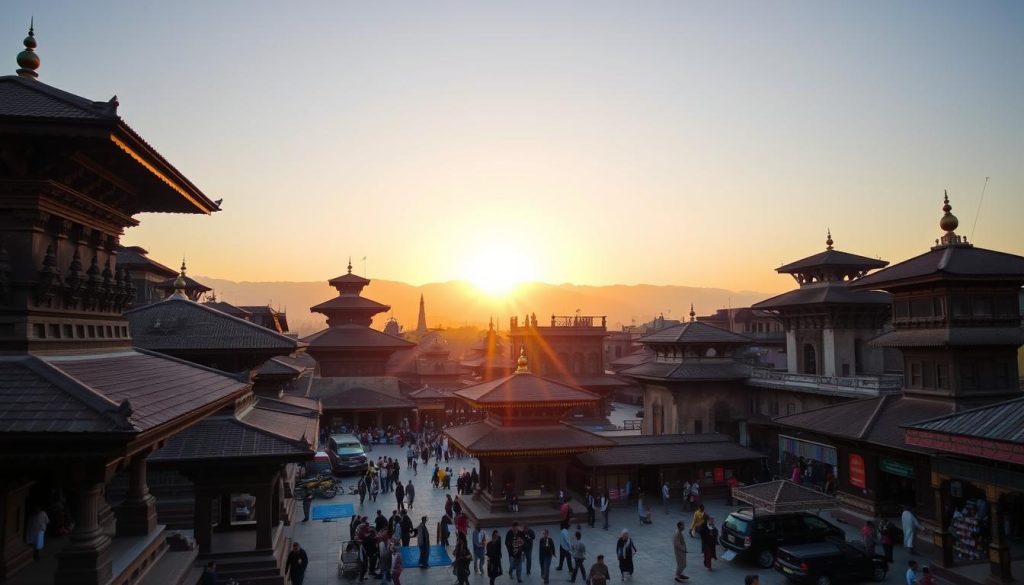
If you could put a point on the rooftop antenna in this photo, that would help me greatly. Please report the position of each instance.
(978, 212)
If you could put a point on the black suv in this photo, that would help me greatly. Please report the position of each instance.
(824, 563)
(756, 536)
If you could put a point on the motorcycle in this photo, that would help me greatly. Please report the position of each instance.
(323, 486)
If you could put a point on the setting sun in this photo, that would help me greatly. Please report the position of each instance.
(497, 271)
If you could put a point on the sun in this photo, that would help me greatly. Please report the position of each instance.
(497, 270)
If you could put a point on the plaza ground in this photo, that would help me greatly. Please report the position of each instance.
(654, 561)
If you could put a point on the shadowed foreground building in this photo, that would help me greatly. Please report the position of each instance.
(78, 403)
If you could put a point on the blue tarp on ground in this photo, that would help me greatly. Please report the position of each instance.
(438, 556)
(325, 512)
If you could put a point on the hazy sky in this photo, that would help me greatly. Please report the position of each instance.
(589, 142)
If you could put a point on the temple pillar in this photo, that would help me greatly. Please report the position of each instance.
(998, 549)
(85, 559)
(828, 352)
(275, 515)
(203, 523)
(264, 517)
(942, 539)
(226, 512)
(792, 363)
(136, 516)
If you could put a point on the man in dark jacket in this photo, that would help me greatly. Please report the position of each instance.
(296, 564)
(400, 495)
(406, 526)
(545, 552)
(423, 542)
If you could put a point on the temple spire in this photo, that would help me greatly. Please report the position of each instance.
(949, 223)
(180, 284)
(693, 315)
(421, 321)
(28, 61)
(828, 240)
(350, 265)
(522, 363)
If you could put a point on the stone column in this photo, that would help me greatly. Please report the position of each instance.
(998, 549)
(275, 515)
(85, 559)
(264, 514)
(942, 539)
(202, 521)
(226, 512)
(136, 516)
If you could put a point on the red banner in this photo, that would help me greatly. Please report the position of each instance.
(857, 478)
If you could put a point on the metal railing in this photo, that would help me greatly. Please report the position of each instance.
(855, 385)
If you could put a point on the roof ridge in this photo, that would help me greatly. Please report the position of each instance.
(874, 417)
(97, 108)
(242, 376)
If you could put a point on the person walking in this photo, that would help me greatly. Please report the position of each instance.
(624, 550)
(406, 526)
(35, 531)
(694, 494)
(709, 542)
(564, 514)
(888, 532)
(598, 574)
(679, 548)
(910, 528)
(307, 503)
(296, 564)
(642, 511)
(579, 556)
(545, 552)
(400, 496)
(516, 547)
(564, 549)
(479, 544)
(423, 542)
(384, 561)
(591, 507)
(698, 521)
(602, 505)
(665, 493)
(494, 557)
(461, 558)
(869, 537)
(396, 564)
(410, 493)
(528, 537)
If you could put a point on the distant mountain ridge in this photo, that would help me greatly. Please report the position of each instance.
(459, 303)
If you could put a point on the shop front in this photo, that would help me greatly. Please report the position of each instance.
(812, 463)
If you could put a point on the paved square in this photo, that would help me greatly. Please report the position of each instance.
(654, 561)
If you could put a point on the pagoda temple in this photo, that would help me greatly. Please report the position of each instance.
(523, 445)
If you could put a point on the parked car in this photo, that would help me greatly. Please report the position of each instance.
(321, 463)
(347, 454)
(833, 561)
(757, 536)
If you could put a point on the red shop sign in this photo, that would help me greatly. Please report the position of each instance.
(857, 478)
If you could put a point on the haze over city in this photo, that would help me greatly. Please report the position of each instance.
(592, 143)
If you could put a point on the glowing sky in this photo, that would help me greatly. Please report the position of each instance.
(603, 142)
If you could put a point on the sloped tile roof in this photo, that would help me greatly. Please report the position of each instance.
(226, 437)
(997, 422)
(957, 336)
(966, 262)
(825, 294)
(354, 336)
(32, 402)
(336, 396)
(693, 332)
(176, 323)
(784, 496)
(350, 302)
(487, 437)
(134, 258)
(277, 367)
(834, 258)
(665, 449)
(522, 388)
(284, 420)
(696, 369)
(229, 309)
(30, 98)
(873, 420)
(158, 388)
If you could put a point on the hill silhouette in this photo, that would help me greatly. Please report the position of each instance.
(458, 303)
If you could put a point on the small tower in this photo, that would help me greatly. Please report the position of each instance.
(421, 321)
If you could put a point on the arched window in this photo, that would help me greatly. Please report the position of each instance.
(810, 359)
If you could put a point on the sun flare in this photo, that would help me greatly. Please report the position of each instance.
(497, 271)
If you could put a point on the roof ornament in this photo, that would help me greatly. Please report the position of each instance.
(28, 61)
(949, 223)
(179, 283)
(693, 315)
(829, 242)
(522, 363)
(350, 265)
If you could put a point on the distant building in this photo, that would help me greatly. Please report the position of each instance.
(488, 358)
(145, 272)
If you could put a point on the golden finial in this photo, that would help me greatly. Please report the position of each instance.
(179, 283)
(949, 222)
(693, 315)
(28, 61)
(522, 361)
(350, 265)
(828, 241)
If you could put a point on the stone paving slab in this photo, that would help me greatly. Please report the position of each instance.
(654, 561)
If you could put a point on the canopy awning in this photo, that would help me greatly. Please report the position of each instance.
(784, 496)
